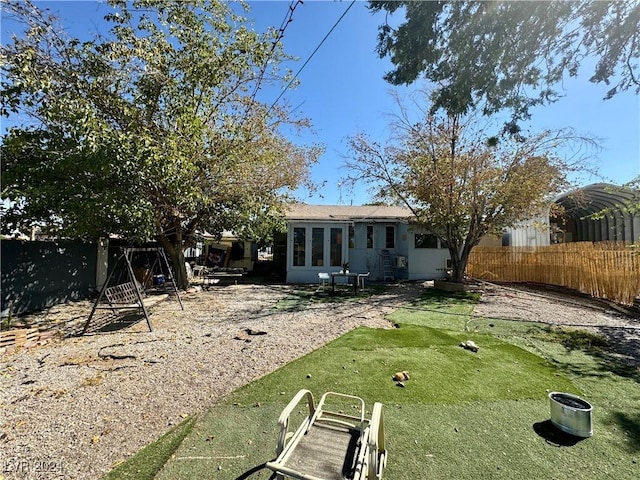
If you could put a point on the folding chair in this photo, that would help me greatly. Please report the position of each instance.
(330, 445)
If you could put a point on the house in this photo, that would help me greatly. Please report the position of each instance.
(377, 239)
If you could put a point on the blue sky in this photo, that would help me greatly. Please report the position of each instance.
(342, 91)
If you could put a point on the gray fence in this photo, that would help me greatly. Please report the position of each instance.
(37, 275)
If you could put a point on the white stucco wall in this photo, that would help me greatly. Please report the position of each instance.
(421, 263)
(425, 263)
(308, 273)
(360, 258)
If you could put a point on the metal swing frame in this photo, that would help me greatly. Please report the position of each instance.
(130, 295)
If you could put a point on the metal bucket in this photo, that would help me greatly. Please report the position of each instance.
(571, 414)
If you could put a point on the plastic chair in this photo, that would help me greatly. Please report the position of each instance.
(322, 279)
(330, 445)
(361, 279)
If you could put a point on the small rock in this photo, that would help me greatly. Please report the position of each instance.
(470, 345)
(250, 331)
(400, 376)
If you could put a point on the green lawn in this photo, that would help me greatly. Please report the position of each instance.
(462, 415)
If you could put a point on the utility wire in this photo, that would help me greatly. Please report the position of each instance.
(311, 56)
(288, 18)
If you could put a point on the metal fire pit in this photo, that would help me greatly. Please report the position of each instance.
(571, 414)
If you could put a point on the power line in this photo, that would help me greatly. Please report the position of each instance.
(312, 54)
(288, 18)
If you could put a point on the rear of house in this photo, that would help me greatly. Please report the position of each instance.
(379, 240)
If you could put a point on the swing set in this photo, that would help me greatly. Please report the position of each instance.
(133, 295)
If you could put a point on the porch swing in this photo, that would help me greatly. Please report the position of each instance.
(132, 295)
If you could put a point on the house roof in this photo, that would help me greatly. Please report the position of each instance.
(343, 213)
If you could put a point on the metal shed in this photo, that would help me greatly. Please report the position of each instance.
(599, 212)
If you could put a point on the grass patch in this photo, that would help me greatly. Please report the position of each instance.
(362, 363)
(307, 295)
(574, 339)
(462, 415)
(145, 464)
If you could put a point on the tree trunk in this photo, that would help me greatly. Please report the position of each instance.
(459, 259)
(457, 274)
(176, 259)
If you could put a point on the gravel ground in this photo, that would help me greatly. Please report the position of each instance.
(76, 407)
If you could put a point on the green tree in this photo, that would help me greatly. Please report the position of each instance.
(459, 185)
(509, 55)
(152, 131)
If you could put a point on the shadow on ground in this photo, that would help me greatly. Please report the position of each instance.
(262, 468)
(554, 436)
(629, 423)
(107, 324)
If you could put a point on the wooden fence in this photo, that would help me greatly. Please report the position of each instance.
(606, 269)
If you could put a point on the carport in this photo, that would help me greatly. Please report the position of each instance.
(597, 213)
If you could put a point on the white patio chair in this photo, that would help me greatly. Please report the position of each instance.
(322, 279)
(361, 279)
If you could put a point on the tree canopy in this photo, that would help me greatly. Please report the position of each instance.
(458, 185)
(509, 55)
(152, 131)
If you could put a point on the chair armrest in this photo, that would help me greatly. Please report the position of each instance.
(283, 420)
(377, 451)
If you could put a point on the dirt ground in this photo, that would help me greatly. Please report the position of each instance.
(83, 404)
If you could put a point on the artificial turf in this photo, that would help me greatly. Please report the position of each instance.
(462, 415)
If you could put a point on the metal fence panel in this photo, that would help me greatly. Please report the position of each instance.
(39, 274)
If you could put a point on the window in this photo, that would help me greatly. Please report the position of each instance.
(317, 247)
(336, 247)
(299, 238)
(429, 240)
(352, 237)
(369, 236)
(426, 240)
(390, 236)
